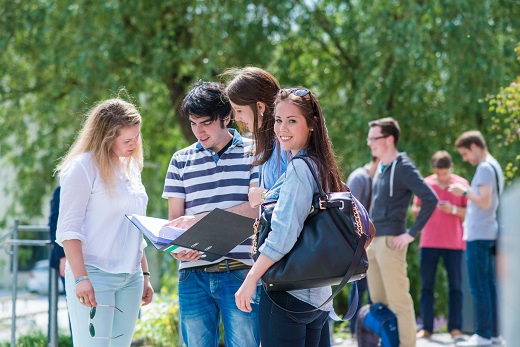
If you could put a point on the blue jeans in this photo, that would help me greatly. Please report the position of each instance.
(480, 259)
(429, 258)
(279, 328)
(122, 290)
(204, 297)
(362, 285)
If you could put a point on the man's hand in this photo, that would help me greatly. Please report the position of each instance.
(255, 196)
(400, 242)
(445, 206)
(458, 189)
(187, 256)
(185, 222)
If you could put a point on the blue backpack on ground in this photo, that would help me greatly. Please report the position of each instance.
(365, 336)
(382, 321)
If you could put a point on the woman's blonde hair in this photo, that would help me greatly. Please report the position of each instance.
(102, 126)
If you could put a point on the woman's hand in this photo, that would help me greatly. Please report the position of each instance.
(147, 291)
(85, 293)
(255, 196)
(244, 294)
(247, 289)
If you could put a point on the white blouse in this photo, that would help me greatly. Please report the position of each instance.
(96, 217)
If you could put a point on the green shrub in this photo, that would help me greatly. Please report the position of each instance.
(159, 326)
(37, 338)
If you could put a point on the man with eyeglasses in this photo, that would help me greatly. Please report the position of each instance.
(394, 183)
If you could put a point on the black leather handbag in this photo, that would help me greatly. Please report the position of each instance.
(330, 249)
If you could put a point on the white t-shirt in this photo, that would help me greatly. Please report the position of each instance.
(96, 217)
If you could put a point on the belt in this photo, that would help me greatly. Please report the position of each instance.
(224, 265)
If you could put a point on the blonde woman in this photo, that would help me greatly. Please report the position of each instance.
(106, 274)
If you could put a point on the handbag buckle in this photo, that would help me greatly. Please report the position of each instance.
(323, 207)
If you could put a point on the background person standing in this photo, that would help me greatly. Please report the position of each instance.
(360, 184)
(396, 180)
(480, 233)
(441, 237)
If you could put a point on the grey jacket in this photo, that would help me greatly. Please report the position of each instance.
(392, 193)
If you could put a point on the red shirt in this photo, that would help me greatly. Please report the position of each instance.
(444, 230)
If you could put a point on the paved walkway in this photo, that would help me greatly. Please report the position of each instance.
(437, 340)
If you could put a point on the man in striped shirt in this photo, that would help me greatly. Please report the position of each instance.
(213, 172)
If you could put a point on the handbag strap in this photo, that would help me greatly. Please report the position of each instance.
(326, 203)
(353, 266)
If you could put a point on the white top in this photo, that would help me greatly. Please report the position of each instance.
(96, 217)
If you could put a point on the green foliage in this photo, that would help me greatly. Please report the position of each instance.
(60, 57)
(160, 325)
(427, 64)
(38, 339)
(505, 127)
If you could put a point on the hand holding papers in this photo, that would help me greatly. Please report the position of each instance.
(216, 234)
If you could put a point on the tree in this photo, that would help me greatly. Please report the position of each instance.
(60, 57)
(505, 107)
(424, 63)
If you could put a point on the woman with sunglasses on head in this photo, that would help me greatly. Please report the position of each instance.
(300, 128)
(252, 93)
(106, 274)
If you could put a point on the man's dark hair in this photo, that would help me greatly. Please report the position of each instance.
(389, 127)
(441, 160)
(466, 139)
(206, 99)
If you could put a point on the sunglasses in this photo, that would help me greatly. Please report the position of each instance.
(301, 92)
(91, 328)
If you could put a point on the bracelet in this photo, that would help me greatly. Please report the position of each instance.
(262, 196)
(146, 273)
(453, 209)
(81, 278)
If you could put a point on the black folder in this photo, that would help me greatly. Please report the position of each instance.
(216, 234)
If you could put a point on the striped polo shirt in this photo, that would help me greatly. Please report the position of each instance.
(205, 182)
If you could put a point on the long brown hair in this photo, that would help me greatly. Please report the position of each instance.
(249, 86)
(319, 147)
(101, 128)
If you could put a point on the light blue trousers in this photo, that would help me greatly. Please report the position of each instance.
(122, 290)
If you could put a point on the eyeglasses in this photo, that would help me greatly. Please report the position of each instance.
(91, 328)
(374, 139)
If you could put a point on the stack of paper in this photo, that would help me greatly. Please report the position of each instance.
(154, 229)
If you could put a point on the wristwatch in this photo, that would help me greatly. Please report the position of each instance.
(453, 209)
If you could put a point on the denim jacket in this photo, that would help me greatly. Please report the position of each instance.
(274, 167)
(293, 191)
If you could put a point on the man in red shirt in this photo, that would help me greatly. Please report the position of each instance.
(442, 237)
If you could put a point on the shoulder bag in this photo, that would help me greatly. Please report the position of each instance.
(330, 249)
